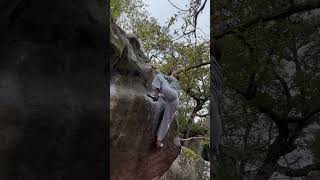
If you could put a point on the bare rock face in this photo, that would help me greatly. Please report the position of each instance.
(52, 90)
(135, 118)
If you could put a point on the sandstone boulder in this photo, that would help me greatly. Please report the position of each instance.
(135, 118)
(188, 166)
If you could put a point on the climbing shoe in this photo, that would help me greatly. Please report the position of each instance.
(159, 144)
(155, 98)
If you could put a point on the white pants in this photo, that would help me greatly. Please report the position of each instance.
(171, 104)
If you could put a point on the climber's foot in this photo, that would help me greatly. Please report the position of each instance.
(155, 98)
(159, 144)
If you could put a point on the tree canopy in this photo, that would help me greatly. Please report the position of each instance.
(271, 98)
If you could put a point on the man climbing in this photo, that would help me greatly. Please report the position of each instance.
(169, 87)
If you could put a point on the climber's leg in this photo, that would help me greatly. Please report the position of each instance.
(169, 94)
(168, 116)
(169, 112)
(156, 86)
(157, 82)
(164, 123)
(173, 108)
(172, 101)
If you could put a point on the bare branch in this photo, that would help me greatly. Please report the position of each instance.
(285, 87)
(280, 121)
(193, 138)
(311, 114)
(177, 6)
(193, 67)
(202, 115)
(297, 172)
(197, 14)
(306, 6)
(184, 34)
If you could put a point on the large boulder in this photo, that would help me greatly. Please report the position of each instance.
(135, 118)
(188, 166)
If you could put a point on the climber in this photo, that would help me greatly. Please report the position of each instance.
(169, 87)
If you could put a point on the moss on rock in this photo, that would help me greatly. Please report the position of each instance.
(188, 153)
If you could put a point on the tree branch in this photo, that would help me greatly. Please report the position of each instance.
(202, 115)
(306, 6)
(297, 172)
(177, 6)
(285, 87)
(193, 67)
(192, 94)
(197, 14)
(281, 122)
(184, 34)
(193, 138)
(311, 114)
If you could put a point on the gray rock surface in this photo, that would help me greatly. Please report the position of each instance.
(135, 118)
(188, 166)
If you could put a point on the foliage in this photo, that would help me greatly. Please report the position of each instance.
(116, 9)
(198, 130)
(128, 13)
(188, 153)
(271, 77)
